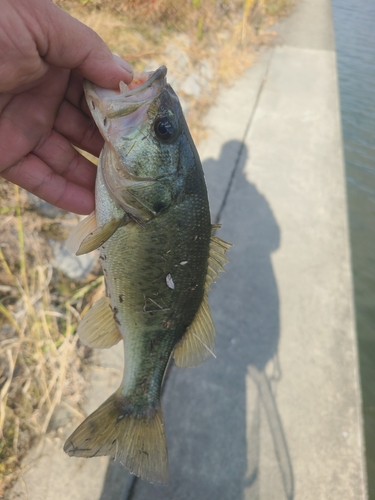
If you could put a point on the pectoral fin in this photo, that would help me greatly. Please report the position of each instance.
(87, 236)
(79, 233)
(98, 328)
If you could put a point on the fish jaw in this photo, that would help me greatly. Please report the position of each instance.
(106, 105)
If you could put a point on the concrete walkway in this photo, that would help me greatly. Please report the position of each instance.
(278, 414)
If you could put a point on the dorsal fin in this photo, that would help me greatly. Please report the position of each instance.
(198, 342)
(217, 258)
(98, 328)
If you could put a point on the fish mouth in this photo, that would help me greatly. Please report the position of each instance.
(144, 88)
(153, 77)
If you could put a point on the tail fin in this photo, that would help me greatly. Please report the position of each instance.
(137, 442)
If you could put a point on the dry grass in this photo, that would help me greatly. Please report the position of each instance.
(41, 361)
(212, 39)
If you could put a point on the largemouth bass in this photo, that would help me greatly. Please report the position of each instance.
(159, 256)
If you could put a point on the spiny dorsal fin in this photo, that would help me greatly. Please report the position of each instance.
(138, 442)
(87, 236)
(198, 342)
(217, 258)
(98, 328)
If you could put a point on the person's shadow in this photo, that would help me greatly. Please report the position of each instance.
(222, 420)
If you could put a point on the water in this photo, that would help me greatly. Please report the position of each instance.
(354, 22)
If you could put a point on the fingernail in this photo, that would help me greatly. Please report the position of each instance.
(124, 64)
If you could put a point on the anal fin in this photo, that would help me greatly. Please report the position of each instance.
(98, 328)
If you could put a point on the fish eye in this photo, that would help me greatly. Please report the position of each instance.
(164, 128)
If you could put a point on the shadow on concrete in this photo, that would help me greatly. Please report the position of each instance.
(218, 413)
(246, 308)
(117, 482)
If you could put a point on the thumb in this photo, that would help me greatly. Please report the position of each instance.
(73, 45)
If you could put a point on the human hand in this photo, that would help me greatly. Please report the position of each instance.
(45, 54)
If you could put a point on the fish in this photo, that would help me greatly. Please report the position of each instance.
(159, 257)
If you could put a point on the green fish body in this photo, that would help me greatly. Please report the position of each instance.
(158, 256)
